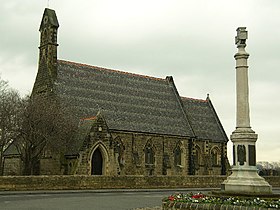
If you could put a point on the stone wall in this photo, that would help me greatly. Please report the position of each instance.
(208, 157)
(106, 182)
(123, 153)
(113, 182)
(162, 146)
(49, 165)
(13, 166)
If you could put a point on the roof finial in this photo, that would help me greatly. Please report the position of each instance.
(208, 96)
(48, 6)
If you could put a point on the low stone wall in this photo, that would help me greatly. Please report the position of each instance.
(274, 181)
(206, 206)
(113, 182)
(106, 182)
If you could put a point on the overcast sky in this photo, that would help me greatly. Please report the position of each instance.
(191, 40)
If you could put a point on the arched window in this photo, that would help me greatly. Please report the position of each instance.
(196, 157)
(215, 156)
(149, 155)
(177, 156)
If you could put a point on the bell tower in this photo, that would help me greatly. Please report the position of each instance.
(47, 69)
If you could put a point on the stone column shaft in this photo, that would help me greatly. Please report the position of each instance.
(242, 90)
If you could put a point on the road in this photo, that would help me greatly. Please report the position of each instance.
(81, 200)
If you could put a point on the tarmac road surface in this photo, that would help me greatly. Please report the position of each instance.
(85, 200)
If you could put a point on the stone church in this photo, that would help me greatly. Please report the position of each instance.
(129, 124)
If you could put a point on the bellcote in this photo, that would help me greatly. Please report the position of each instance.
(49, 20)
(47, 69)
(48, 27)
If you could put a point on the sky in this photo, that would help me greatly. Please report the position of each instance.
(191, 40)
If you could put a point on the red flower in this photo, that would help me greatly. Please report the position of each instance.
(171, 198)
(198, 196)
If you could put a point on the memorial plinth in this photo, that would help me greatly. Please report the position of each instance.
(244, 177)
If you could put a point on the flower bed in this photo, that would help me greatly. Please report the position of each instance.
(202, 201)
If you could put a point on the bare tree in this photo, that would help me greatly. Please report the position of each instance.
(9, 117)
(268, 168)
(46, 127)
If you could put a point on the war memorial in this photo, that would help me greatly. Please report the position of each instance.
(244, 188)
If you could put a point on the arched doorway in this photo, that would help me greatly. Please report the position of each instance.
(97, 163)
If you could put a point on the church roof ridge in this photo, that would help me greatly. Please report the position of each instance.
(89, 118)
(193, 99)
(111, 70)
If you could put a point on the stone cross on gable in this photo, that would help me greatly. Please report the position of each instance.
(242, 35)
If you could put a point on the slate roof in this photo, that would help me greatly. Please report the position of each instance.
(11, 150)
(204, 120)
(128, 102)
(76, 144)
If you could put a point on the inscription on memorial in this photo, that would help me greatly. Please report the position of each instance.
(252, 155)
(234, 162)
(241, 154)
